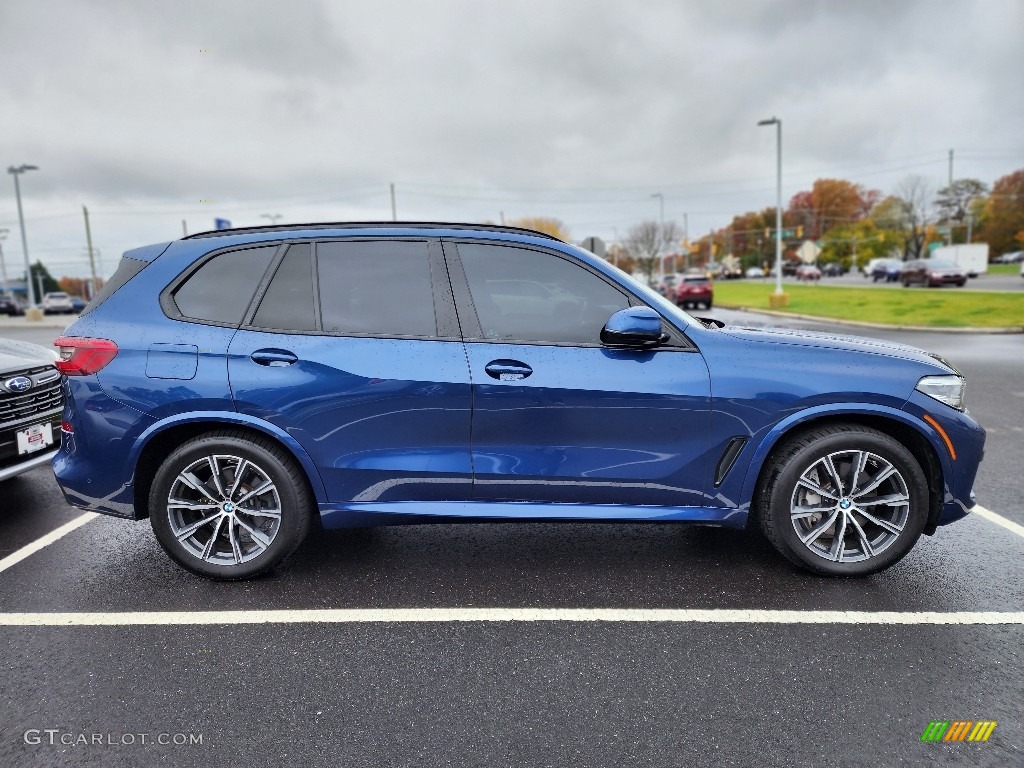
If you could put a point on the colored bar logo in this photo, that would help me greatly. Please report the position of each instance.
(959, 730)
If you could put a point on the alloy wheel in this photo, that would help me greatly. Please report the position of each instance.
(224, 509)
(850, 506)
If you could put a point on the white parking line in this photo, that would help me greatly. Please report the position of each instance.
(29, 549)
(998, 519)
(435, 615)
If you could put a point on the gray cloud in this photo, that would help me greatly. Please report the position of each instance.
(574, 109)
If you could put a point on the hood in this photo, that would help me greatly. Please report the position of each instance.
(18, 355)
(836, 341)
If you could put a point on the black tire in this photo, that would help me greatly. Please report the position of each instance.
(708, 305)
(778, 491)
(265, 462)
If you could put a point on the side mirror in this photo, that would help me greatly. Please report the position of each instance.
(633, 327)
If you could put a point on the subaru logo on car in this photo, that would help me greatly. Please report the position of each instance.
(18, 384)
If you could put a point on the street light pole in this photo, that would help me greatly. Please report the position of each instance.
(272, 216)
(3, 267)
(15, 172)
(778, 200)
(661, 232)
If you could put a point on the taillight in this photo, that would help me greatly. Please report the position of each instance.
(80, 356)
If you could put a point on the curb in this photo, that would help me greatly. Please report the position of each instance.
(884, 326)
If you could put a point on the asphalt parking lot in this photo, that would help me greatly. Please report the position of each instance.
(704, 662)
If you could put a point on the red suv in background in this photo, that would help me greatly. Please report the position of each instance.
(693, 290)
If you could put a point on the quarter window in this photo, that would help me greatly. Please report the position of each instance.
(526, 295)
(221, 289)
(376, 287)
(288, 302)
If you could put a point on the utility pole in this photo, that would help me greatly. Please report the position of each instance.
(661, 233)
(92, 261)
(184, 229)
(951, 169)
(15, 172)
(3, 267)
(970, 226)
(779, 301)
(394, 210)
(501, 215)
(686, 240)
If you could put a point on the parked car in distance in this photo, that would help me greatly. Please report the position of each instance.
(667, 285)
(11, 305)
(808, 273)
(832, 269)
(695, 290)
(887, 270)
(78, 304)
(753, 272)
(932, 273)
(1013, 257)
(30, 407)
(57, 303)
(237, 387)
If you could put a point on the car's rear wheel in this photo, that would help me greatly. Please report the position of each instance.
(229, 505)
(843, 500)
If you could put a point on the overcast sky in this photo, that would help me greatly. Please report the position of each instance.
(474, 109)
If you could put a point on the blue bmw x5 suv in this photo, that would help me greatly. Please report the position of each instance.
(240, 387)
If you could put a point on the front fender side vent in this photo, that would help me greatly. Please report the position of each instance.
(732, 450)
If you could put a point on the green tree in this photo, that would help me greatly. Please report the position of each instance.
(909, 213)
(955, 203)
(854, 245)
(41, 275)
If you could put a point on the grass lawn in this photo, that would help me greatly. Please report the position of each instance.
(947, 307)
(1004, 269)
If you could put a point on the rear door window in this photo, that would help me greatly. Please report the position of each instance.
(376, 287)
(288, 303)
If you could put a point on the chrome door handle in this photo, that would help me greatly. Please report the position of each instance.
(274, 358)
(508, 370)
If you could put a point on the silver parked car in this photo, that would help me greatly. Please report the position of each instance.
(57, 303)
(30, 407)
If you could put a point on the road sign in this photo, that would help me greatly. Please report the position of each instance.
(595, 245)
(221, 224)
(808, 252)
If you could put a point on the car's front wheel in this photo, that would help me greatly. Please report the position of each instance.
(843, 500)
(229, 505)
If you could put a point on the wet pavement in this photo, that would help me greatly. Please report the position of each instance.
(524, 694)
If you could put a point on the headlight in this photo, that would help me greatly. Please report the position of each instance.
(945, 389)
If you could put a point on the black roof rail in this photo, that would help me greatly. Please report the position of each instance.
(368, 225)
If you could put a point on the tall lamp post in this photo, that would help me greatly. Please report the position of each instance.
(272, 216)
(15, 172)
(3, 267)
(661, 232)
(778, 208)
